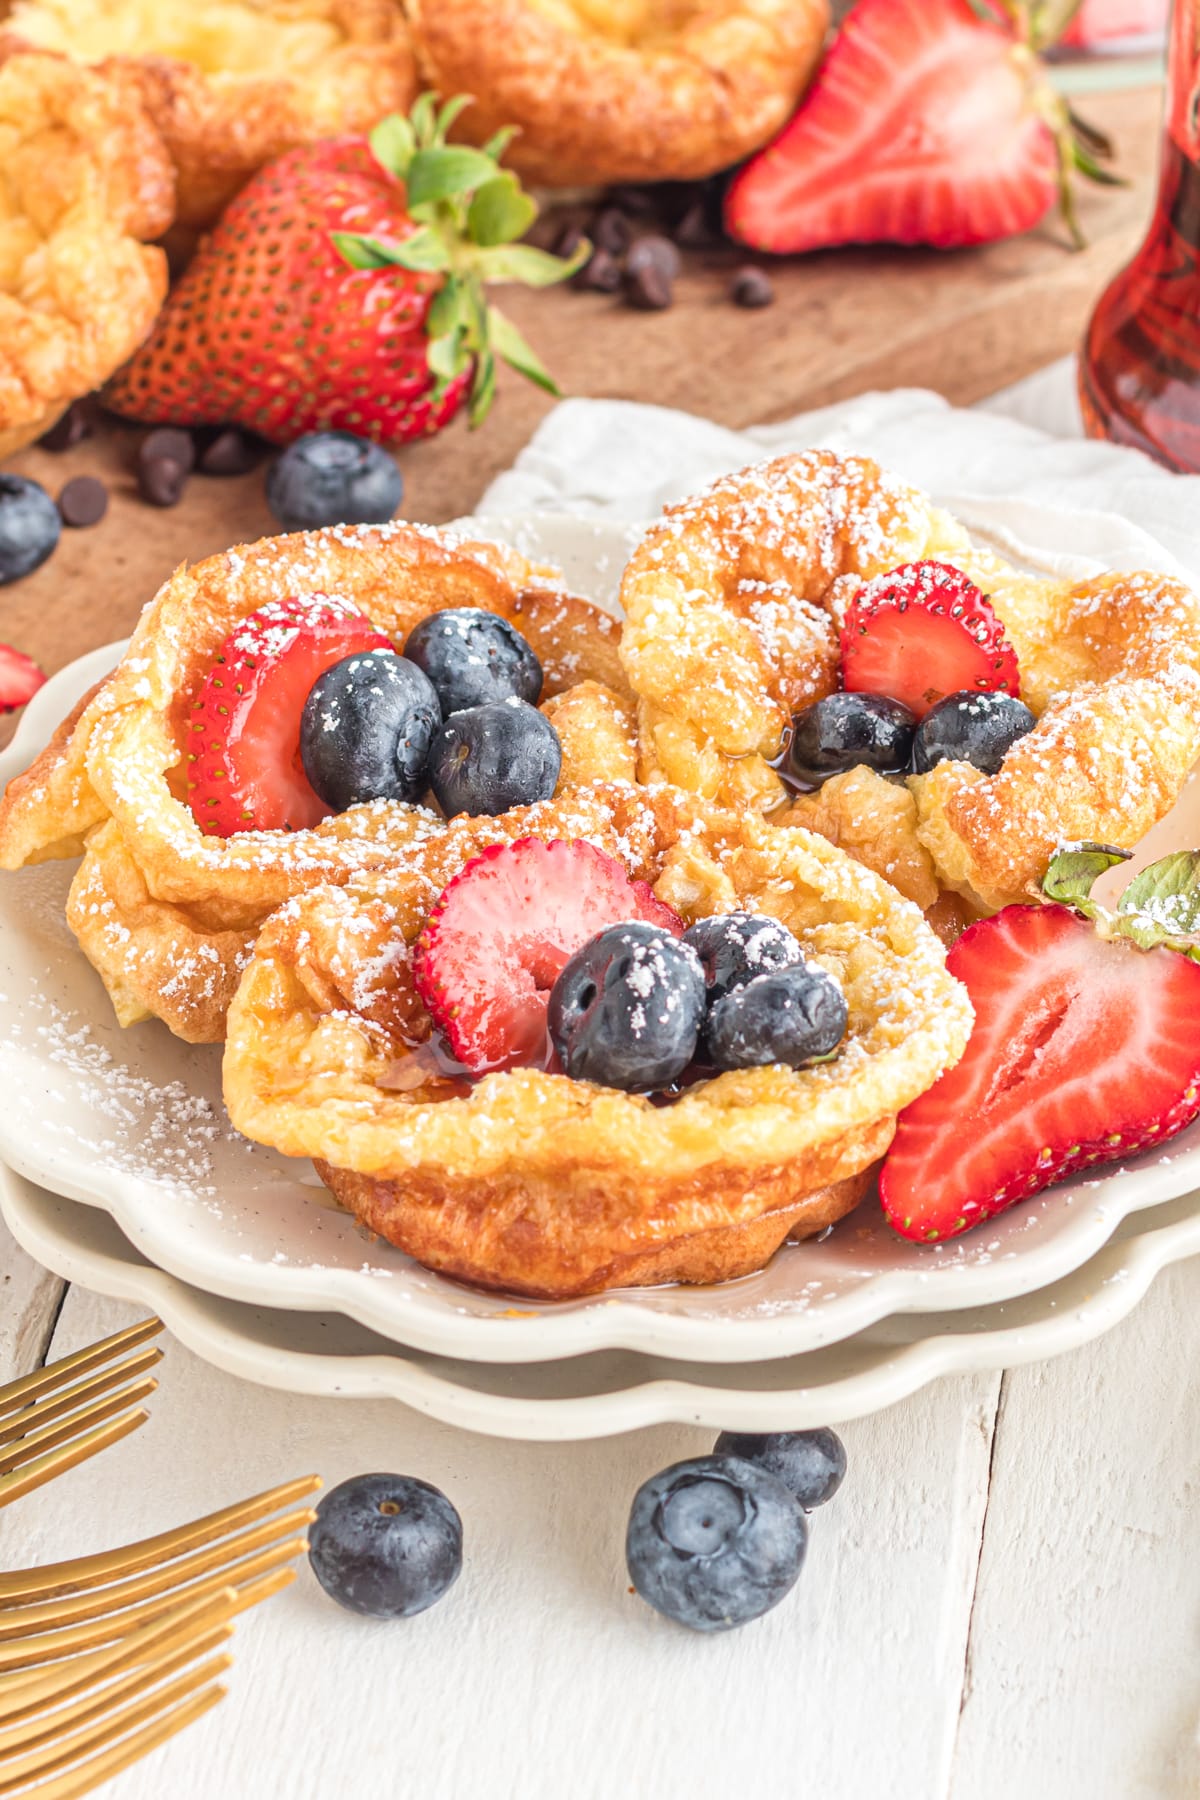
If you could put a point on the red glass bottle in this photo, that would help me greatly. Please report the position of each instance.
(1139, 369)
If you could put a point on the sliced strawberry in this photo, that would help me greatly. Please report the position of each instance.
(923, 632)
(929, 122)
(498, 937)
(1085, 1050)
(1116, 21)
(245, 772)
(20, 678)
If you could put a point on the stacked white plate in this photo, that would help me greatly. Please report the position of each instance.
(135, 1184)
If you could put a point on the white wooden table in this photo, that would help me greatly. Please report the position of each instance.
(1003, 1601)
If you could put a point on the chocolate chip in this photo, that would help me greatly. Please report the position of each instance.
(601, 274)
(654, 252)
(611, 231)
(231, 452)
(168, 444)
(83, 501)
(68, 430)
(694, 230)
(751, 287)
(161, 480)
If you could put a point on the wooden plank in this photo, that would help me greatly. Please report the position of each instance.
(541, 1674)
(965, 323)
(1084, 1664)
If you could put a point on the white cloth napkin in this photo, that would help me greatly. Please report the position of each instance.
(612, 459)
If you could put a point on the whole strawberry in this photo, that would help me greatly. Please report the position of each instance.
(929, 122)
(344, 289)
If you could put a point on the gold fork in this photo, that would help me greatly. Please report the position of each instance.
(105, 1657)
(59, 1416)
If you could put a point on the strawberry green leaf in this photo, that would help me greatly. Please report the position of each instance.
(422, 252)
(423, 119)
(446, 173)
(448, 356)
(393, 143)
(1073, 873)
(536, 268)
(483, 389)
(500, 211)
(511, 347)
(450, 111)
(499, 141)
(447, 309)
(1049, 20)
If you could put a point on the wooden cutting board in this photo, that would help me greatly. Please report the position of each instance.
(964, 323)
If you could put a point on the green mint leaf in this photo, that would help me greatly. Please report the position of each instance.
(483, 389)
(1165, 898)
(500, 211)
(536, 268)
(393, 143)
(511, 346)
(447, 173)
(1073, 873)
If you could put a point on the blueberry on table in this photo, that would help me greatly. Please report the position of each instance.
(29, 527)
(735, 947)
(847, 731)
(333, 478)
(387, 1546)
(810, 1464)
(786, 1016)
(714, 1542)
(979, 729)
(366, 729)
(473, 657)
(494, 757)
(626, 1010)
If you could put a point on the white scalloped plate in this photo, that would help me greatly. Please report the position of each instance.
(132, 1122)
(614, 1390)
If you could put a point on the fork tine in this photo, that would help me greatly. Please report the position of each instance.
(61, 1751)
(23, 1621)
(102, 1767)
(24, 1692)
(60, 1431)
(27, 1652)
(98, 1699)
(38, 1413)
(92, 1571)
(34, 1475)
(19, 1393)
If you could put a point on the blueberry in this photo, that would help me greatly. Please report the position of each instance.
(387, 1546)
(626, 1010)
(490, 758)
(810, 1464)
(473, 657)
(333, 478)
(786, 1016)
(366, 730)
(29, 527)
(979, 729)
(734, 947)
(843, 731)
(714, 1542)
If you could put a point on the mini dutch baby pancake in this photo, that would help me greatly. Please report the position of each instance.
(231, 83)
(295, 710)
(617, 1038)
(813, 638)
(84, 183)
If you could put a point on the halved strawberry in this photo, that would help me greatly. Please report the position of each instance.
(498, 937)
(244, 763)
(20, 678)
(1084, 1050)
(922, 632)
(929, 122)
